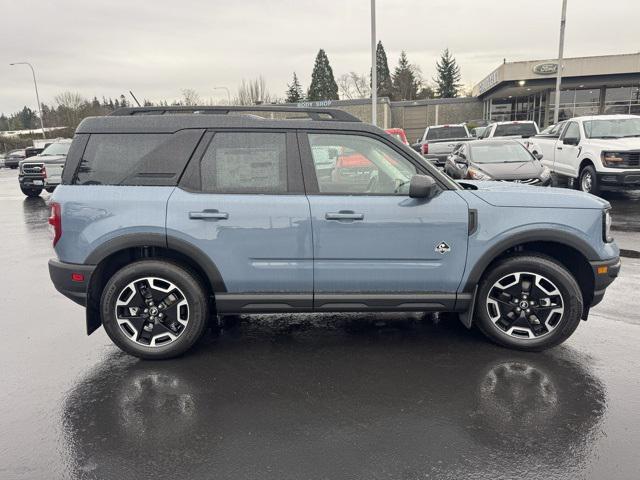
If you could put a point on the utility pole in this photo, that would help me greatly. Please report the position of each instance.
(374, 67)
(37, 96)
(563, 21)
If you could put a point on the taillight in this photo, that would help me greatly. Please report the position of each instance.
(44, 171)
(55, 220)
(425, 148)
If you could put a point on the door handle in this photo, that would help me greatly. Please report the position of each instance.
(559, 148)
(208, 215)
(344, 215)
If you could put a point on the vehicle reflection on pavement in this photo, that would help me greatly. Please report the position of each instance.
(345, 397)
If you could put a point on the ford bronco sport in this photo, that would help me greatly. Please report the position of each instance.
(164, 220)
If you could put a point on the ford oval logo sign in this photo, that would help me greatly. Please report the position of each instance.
(545, 68)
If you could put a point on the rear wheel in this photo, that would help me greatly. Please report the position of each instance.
(31, 192)
(154, 309)
(528, 302)
(588, 180)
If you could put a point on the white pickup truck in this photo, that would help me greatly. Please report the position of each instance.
(598, 151)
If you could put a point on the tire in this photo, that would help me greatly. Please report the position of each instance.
(31, 192)
(588, 180)
(123, 291)
(557, 321)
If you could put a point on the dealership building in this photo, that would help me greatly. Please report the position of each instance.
(519, 91)
(590, 86)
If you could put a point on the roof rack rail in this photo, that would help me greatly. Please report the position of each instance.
(322, 114)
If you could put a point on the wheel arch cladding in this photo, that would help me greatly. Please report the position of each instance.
(115, 254)
(571, 252)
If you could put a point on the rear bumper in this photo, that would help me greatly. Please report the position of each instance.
(604, 273)
(620, 180)
(61, 274)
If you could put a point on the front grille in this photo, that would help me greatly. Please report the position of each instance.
(525, 181)
(630, 159)
(32, 168)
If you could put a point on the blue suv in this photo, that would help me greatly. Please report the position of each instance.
(169, 216)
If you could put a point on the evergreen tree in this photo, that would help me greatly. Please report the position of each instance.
(448, 78)
(323, 84)
(294, 92)
(406, 80)
(383, 76)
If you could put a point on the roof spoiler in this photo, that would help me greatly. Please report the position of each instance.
(321, 114)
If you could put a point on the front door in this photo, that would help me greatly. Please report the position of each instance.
(567, 159)
(374, 246)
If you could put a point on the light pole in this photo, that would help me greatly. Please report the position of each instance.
(563, 21)
(35, 84)
(374, 67)
(228, 93)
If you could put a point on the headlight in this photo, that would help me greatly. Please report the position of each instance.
(546, 173)
(606, 226)
(476, 174)
(612, 159)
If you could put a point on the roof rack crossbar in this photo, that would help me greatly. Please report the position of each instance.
(320, 113)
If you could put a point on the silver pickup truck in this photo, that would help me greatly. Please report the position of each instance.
(438, 142)
(43, 171)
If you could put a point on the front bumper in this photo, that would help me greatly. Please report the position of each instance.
(30, 181)
(620, 180)
(604, 273)
(66, 279)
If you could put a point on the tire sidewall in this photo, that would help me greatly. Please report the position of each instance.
(595, 187)
(571, 295)
(176, 274)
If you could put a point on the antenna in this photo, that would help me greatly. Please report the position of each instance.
(134, 97)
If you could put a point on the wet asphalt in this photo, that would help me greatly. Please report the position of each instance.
(309, 397)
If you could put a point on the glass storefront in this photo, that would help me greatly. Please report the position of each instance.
(575, 102)
(622, 100)
(529, 107)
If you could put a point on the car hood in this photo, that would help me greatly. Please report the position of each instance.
(511, 170)
(45, 159)
(631, 143)
(506, 194)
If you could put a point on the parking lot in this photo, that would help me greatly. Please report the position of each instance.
(311, 397)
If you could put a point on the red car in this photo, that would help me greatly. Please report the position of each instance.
(399, 134)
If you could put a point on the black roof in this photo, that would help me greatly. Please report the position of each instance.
(172, 119)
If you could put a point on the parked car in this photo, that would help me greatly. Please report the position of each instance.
(44, 171)
(13, 158)
(438, 141)
(399, 134)
(522, 131)
(504, 160)
(164, 220)
(598, 151)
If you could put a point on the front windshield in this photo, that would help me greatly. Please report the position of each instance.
(612, 128)
(499, 153)
(60, 148)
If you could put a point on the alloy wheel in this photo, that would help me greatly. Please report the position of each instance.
(587, 182)
(152, 311)
(525, 305)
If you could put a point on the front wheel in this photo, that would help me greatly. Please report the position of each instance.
(588, 180)
(154, 309)
(31, 192)
(528, 302)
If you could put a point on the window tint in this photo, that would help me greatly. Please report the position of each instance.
(359, 164)
(515, 129)
(441, 133)
(108, 159)
(572, 131)
(245, 162)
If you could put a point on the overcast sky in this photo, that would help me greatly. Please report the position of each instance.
(157, 48)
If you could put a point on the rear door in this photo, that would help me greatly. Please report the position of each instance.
(374, 246)
(242, 203)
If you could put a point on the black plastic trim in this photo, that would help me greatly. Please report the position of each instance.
(381, 302)
(473, 221)
(263, 302)
(60, 273)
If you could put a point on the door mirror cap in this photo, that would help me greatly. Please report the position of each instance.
(421, 186)
(539, 156)
(571, 141)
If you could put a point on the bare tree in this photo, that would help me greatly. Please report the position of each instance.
(253, 92)
(70, 107)
(190, 97)
(352, 86)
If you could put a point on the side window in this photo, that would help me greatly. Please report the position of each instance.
(245, 162)
(110, 158)
(487, 131)
(572, 131)
(355, 164)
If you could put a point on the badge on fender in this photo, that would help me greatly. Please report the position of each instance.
(443, 248)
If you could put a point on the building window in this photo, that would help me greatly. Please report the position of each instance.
(622, 100)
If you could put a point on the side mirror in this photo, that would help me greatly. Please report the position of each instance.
(571, 141)
(421, 186)
(460, 160)
(539, 156)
